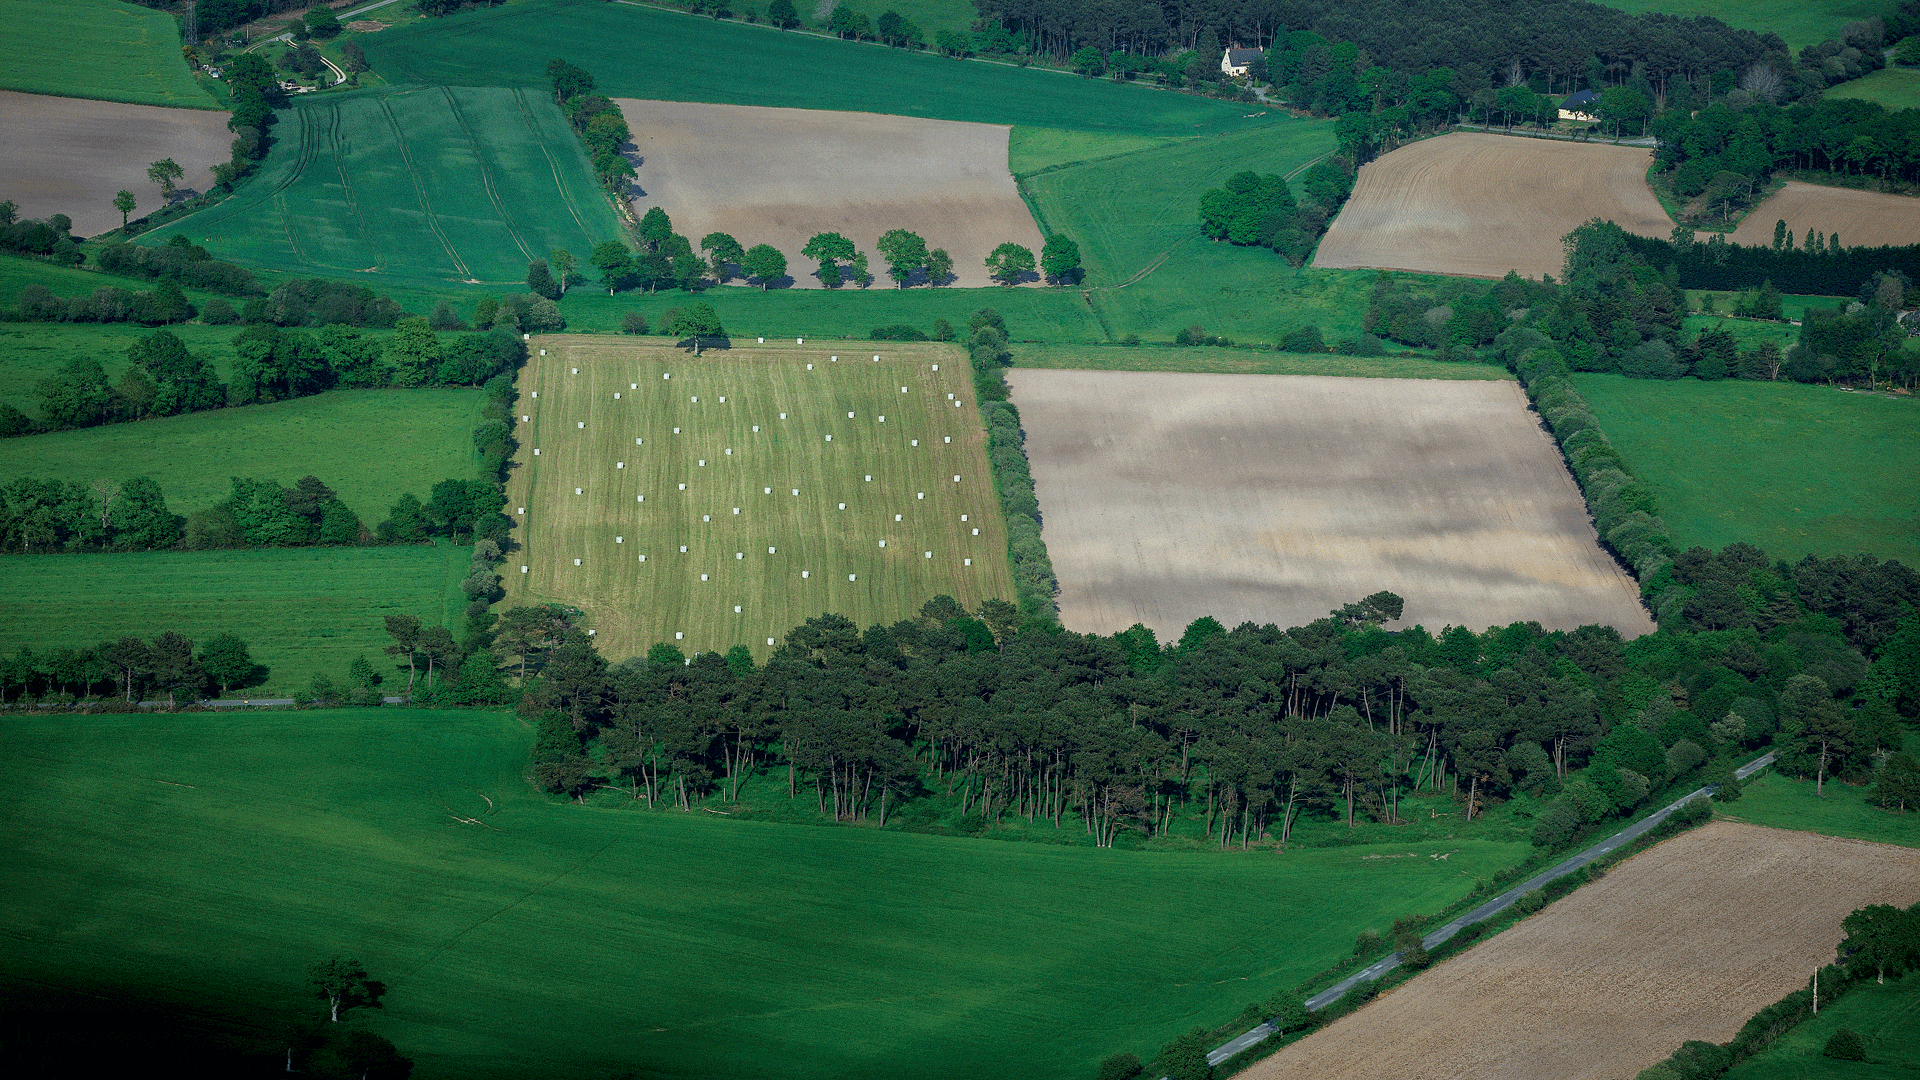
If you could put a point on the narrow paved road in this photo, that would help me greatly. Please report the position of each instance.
(1489, 909)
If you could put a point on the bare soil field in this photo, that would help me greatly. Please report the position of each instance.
(1685, 941)
(1478, 205)
(1860, 218)
(71, 155)
(778, 176)
(1277, 498)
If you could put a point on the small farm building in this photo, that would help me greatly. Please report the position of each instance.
(1234, 62)
(1580, 106)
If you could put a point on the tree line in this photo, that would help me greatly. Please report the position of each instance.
(129, 668)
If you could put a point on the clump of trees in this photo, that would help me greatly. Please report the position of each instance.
(598, 122)
(1254, 210)
(130, 668)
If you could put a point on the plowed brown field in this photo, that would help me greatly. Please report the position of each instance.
(1277, 498)
(778, 176)
(1860, 218)
(1685, 941)
(70, 155)
(1479, 205)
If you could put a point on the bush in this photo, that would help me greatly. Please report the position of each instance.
(1304, 339)
(1845, 1045)
(1121, 1066)
(897, 332)
(633, 322)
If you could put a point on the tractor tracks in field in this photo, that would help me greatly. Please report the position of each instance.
(346, 190)
(533, 129)
(486, 173)
(309, 144)
(420, 192)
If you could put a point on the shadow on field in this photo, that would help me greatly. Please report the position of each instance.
(66, 1033)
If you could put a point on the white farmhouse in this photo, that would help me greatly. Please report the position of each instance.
(1234, 62)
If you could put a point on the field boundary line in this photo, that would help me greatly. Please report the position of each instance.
(420, 191)
(486, 174)
(533, 129)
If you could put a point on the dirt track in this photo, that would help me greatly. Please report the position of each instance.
(1480, 205)
(1685, 941)
(778, 176)
(1861, 218)
(70, 155)
(1277, 498)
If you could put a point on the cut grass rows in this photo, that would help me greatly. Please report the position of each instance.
(597, 495)
(101, 49)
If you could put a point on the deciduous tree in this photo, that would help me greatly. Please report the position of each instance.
(124, 202)
(343, 983)
(905, 253)
(1010, 263)
(764, 263)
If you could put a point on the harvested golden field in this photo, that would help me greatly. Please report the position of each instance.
(1277, 498)
(1859, 218)
(1480, 205)
(70, 155)
(778, 176)
(1685, 941)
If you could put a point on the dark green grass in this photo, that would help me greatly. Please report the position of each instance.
(418, 186)
(1246, 362)
(101, 49)
(645, 53)
(1799, 24)
(302, 611)
(1887, 1017)
(590, 941)
(369, 445)
(1795, 469)
(30, 352)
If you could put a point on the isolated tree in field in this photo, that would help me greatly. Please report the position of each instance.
(782, 14)
(165, 172)
(227, 662)
(354, 60)
(405, 631)
(343, 983)
(905, 253)
(829, 249)
(633, 322)
(1009, 263)
(124, 202)
(562, 262)
(1121, 1066)
(1060, 258)
(939, 267)
(540, 280)
(1845, 1044)
(723, 251)
(436, 644)
(763, 263)
(568, 81)
(698, 322)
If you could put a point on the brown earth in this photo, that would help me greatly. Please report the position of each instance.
(1277, 498)
(1685, 941)
(1861, 218)
(1479, 205)
(71, 156)
(778, 176)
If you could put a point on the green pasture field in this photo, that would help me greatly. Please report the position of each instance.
(1798, 24)
(1785, 802)
(369, 445)
(1749, 333)
(1038, 149)
(656, 471)
(1894, 87)
(1795, 469)
(643, 52)
(1887, 1018)
(201, 863)
(302, 611)
(30, 352)
(1246, 362)
(101, 49)
(1793, 305)
(422, 186)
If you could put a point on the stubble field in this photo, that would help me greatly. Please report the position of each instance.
(71, 155)
(778, 176)
(1858, 218)
(1277, 498)
(723, 500)
(1479, 205)
(1685, 941)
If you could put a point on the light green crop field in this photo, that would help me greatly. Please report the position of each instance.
(1894, 87)
(302, 611)
(627, 49)
(205, 861)
(419, 186)
(1796, 469)
(723, 500)
(1247, 362)
(100, 49)
(1887, 1018)
(1799, 24)
(368, 445)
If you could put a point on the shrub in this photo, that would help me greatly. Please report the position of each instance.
(633, 322)
(1305, 339)
(1121, 1066)
(1845, 1045)
(897, 332)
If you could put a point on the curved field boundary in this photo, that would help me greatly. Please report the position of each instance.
(420, 189)
(486, 173)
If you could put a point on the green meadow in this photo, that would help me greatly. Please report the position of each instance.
(30, 352)
(368, 445)
(1893, 87)
(202, 862)
(419, 186)
(302, 611)
(1798, 24)
(101, 49)
(1785, 802)
(1246, 362)
(1887, 1018)
(1796, 469)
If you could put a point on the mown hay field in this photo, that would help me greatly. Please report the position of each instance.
(413, 185)
(779, 176)
(1796, 469)
(1479, 205)
(203, 862)
(371, 446)
(302, 611)
(102, 49)
(1856, 218)
(1277, 498)
(72, 156)
(721, 500)
(1685, 941)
